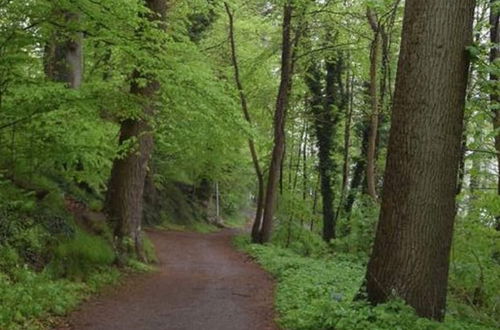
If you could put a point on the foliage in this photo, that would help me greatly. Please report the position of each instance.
(317, 293)
(359, 227)
(80, 255)
(58, 142)
(474, 273)
(28, 296)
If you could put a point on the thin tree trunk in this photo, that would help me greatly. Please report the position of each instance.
(411, 254)
(279, 124)
(282, 168)
(374, 116)
(304, 172)
(463, 150)
(290, 161)
(461, 166)
(63, 59)
(359, 171)
(299, 155)
(304, 163)
(251, 144)
(347, 141)
(495, 95)
(124, 200)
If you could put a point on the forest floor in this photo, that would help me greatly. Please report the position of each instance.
(201, 282)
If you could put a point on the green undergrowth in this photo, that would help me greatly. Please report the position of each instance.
(80, 267)
(48, 263)
(28, 297)
(316, 292)
(236, 220)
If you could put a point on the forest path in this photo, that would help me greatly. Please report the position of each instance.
(201, 283)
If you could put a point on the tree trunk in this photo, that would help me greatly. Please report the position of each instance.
(251, 144)
(279, 124)
(410, 257)
(359, 170)
(299, 155)
(63, 58)
(326, 111)
(374, 116)
(495, 94)
(347, 141)
(124, 200)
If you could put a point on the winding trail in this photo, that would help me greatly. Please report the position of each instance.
(201, 283)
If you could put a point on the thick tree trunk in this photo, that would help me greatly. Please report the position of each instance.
(279, 124)
(410, 257)
(251, 144)
(495, 95)
(124, 200)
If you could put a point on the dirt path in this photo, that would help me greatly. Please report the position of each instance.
(202, 284)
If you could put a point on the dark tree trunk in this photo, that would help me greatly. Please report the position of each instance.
(124, 200)
(279, 124)
(326, 112)
(359, 170)
(495, 94)
(251, 144)
(410, 257)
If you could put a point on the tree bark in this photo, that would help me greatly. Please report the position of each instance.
(347, 141)
(124, 200)
(495, 94)
(251, 144)
(359, 170)
(374, 116)
(279, 124)
(410, 258)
